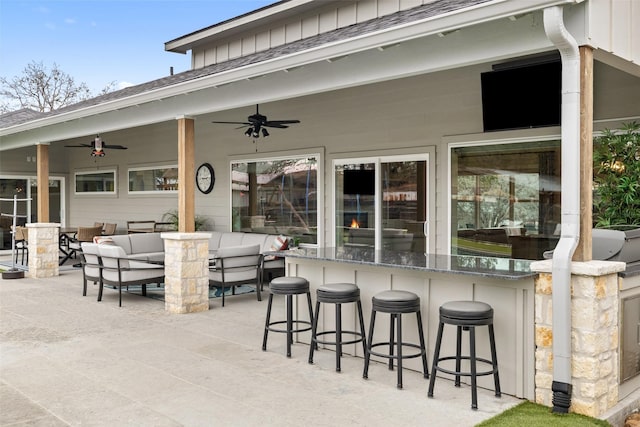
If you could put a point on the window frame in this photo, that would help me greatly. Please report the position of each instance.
(154, 192)
(475, 140)
(378, 160)
(113, 171)
(317, 153)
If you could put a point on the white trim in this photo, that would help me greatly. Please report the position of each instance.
(425, 156)
(474, 140)
(96, 193)
(148, 192)
(317, 153)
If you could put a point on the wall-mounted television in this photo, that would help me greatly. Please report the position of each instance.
(522, 97)
(359, 181)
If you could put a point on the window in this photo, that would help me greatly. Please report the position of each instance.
(103, 182)
(276, 196)
(505, 199)
(381, 203)
(153, 179)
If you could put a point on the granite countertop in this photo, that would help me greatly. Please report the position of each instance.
(503, 268)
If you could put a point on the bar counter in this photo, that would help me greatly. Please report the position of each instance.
(506, 284)
(502, 268)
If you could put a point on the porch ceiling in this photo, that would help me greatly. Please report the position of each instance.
(481, 34)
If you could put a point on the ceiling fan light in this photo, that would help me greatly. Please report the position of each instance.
(255, 134)
(248, 132)
(265, 133)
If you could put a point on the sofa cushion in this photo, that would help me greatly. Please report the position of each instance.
(123, 242)
(231, 239)
(254, 239)
(214, 240)
(146, 243)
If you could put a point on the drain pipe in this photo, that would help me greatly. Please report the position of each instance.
(570, 209)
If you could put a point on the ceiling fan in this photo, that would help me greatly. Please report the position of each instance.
(257, 124)
(97, 147)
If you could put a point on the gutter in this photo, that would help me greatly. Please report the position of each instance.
(570, 206)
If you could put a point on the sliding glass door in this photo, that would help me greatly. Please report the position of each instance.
(381, 203)
(26, 188)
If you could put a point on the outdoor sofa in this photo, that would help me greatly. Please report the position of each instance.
(150, 246)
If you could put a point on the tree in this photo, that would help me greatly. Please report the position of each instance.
(41, 89)
(616, 167)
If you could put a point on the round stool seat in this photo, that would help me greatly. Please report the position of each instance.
(396, 302)
(338, 293)
(466, 313)
(289, 285)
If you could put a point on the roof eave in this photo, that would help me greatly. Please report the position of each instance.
(485, 12)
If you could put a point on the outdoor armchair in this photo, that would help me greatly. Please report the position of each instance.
(91, 265)
(237, 265)
(22, 244)
(119, 271)
(84, 234)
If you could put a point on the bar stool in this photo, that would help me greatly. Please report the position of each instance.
(466, 315)
(396, 303)
(338, 294)
(288, 286)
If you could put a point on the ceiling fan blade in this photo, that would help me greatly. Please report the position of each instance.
(234, 123)
(115, 147)
(80, 146)
(274, 125)
(280, 122)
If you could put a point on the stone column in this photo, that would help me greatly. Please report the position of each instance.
(594, 335)
(44, 251)
(186, 260)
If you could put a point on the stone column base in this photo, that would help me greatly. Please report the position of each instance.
(44, 251)
(186, 260)
(594, 335)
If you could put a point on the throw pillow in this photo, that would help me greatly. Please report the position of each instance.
(280, 243)
(102, 240)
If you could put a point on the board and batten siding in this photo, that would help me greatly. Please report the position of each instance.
(320, 20)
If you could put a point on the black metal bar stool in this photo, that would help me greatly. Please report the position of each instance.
(288, 286)
(466, 315)
(396, 303)
(338, 294)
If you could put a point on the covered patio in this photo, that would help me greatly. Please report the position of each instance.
(69, 360)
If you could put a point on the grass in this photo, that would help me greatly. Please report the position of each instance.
(533, 415)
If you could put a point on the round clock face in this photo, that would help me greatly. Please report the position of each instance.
(205, 178)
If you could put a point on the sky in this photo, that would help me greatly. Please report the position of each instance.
(98, 42)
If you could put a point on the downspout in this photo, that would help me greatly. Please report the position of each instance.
(570, 206)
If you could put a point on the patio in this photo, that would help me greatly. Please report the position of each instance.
(69, 360)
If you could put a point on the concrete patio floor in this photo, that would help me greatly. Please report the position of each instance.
(66, 359)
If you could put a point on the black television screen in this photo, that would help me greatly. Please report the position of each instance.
(522, 97)
(359, 181)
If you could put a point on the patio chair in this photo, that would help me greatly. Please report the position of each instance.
(91, 265)
(84, 234)
(22, 244)
(237, 265)
(119, 271)
(109, 229)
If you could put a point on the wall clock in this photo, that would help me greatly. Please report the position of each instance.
(205, 178)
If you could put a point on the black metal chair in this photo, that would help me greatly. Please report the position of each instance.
(237, 265)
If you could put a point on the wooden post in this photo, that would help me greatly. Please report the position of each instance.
(43, 182)
(584, 250)
(186, 175)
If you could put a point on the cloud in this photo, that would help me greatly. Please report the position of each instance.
(70, 21)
